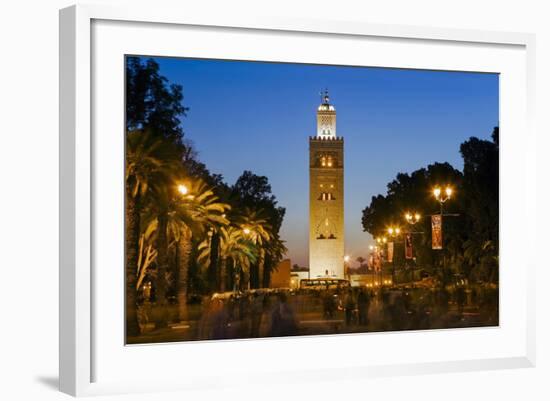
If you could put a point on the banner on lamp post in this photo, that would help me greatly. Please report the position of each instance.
(390, 252)
(408, 246)
(377, 261)
(437, 231)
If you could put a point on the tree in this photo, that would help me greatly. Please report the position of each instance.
(471, 239)
(255, 225)
(236, 251)
(253, 192)
(274, 253)
(481, 182)
(412, 192)
(151, 102)
(194, 213)
(150, 160)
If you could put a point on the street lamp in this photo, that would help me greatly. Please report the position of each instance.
(381, 240)
(412, 218)
(182, 189)
(394, 233)
(442, 196)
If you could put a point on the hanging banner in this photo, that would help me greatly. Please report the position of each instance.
(437, 231)
(408, 246)
(390, 252)
(377, 261)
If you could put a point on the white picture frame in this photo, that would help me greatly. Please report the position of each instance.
(81, 342)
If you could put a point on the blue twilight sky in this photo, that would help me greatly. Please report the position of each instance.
(258, 116)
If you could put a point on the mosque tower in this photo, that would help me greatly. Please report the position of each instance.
(326, 195)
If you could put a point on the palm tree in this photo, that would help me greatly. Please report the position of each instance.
(275, 252)
(147, 252)
(149, 159)
(195, 211)
(255, 226)
(235, 248)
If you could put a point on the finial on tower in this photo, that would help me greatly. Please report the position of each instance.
(324, 96)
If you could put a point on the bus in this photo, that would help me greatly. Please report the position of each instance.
(323, 283)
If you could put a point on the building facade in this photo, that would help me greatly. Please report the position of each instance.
(326, 196)
(280, 277)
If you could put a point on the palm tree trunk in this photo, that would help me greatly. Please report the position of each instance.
(132, 249)
(223, 274)
(184, 250)
(266, 276)
(162, 268)
(213, 276)
(261, 261)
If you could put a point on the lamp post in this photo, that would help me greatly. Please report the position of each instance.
(373, 255)
(411, 218)
(381, 242)
(394, 233)
(442, 197)
(346, 267)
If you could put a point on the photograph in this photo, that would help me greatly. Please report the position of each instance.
(251, 211)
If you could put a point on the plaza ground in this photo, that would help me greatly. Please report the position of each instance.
(312, 314)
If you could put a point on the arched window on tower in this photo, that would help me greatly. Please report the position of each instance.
(326, 160)
(326, 196)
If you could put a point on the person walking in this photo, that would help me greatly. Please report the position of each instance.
(349, 306)
(363, 304)
(283, 321)
(218, 321)
(256, 310)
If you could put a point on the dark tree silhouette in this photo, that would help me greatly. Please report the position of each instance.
(253, 192)
(151, 102)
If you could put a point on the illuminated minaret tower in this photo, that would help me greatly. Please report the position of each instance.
(326, 196)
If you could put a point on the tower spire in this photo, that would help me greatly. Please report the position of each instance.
(326, 117)
(324, 97)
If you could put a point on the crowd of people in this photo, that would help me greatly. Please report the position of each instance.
(359, 309)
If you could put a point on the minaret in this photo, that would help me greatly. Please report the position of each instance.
(326, 195)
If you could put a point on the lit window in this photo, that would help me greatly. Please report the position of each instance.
(326, 196)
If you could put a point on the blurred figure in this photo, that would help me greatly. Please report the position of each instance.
(283, 322)
(219, 321)
(398, 312)
(256, 310)
(244, 321)
(385, 309)
(363, 304)
(460, 299)
(349, 306)
(329, 305)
